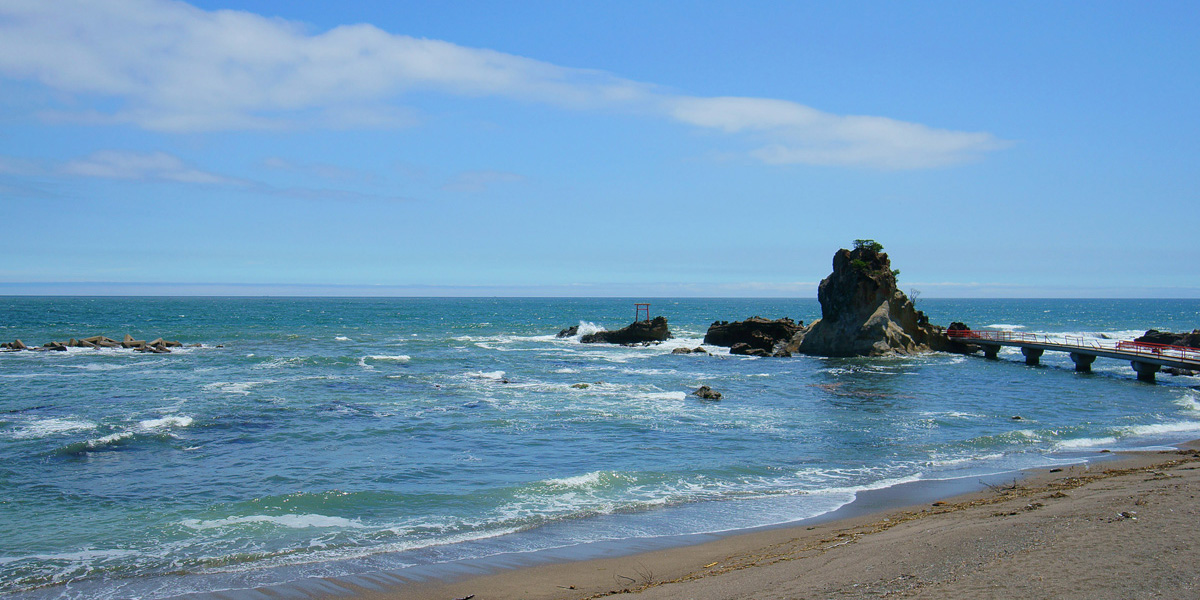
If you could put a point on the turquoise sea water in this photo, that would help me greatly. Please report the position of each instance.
(340, 436)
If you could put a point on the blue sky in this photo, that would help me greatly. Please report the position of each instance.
(1017, 149)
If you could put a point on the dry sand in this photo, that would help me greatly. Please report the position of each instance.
(1119, 529)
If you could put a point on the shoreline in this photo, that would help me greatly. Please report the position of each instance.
(662, 567)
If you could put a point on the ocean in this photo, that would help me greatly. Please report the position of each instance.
(338, 437)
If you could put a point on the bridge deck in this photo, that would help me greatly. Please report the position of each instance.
(1162, 355)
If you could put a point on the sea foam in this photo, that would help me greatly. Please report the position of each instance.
(289, 521)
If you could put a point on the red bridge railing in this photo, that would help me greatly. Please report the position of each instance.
(993, 335)
(1163, 350)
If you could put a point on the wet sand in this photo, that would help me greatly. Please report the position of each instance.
(1126, 528)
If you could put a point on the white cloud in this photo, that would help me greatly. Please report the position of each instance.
(800, 134)
(176, 68)
(159, 166)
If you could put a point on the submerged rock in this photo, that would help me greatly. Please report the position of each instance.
(638, 332)
(864, 314)
(766, 337)
(706, 393)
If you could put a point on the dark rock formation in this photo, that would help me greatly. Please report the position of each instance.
(744, 349)
(696, 350)
(1177, 371)
(951, 344)
(571, 331)
(638, 332)
(757, 333)
(706, 393)
(1154, 336)
(864, 314)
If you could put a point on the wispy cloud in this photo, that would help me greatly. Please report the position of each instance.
(152, 166)
(479, 181)
(324, 170)
(799, 134)
(176, 68)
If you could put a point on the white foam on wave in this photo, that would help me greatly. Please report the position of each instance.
(587, 479)
(951, 462)
(79, 556)
(342, 338)
(290, 521)
(490, 375)
(276, 363)
(392, 357)
(953, 414)
(1189, 401)
(106, 366)
(1162, 428)
(1084, 443)
(866, 487)
(167, 422)
(159, 426)
(650, 372)
(662, 396)
(234, 387)
(108, 440)
(47, 427)
(566, 371)
(587, 328)
(1004, 326)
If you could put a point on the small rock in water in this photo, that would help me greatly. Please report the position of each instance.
(1017, 418)
(580, 386)
(706, 393)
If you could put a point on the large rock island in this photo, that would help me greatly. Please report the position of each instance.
(638, 332)
(755, 336)
(864, 314)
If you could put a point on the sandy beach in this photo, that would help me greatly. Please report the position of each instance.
(1123, 528)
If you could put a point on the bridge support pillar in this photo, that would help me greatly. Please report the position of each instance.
(1083, 362)
(1145, 371)
(989, 351)
(1033, 356)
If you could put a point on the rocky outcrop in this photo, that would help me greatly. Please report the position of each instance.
(864, 314)
(571, 331)
(638, 332)
(1154, 336)
(948, 343)
(706, 393)
(755, 336)
(744, 349)
(696, 350)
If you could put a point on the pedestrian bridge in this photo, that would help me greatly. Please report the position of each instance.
(1145, 358)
